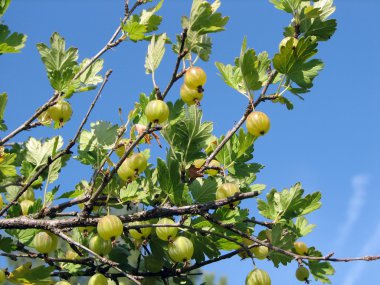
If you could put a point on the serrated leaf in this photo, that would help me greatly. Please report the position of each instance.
(169, 178)
(320, 269)
(248, 63)
(134, 30)
(281, 240)
(303, 227)
(91, 76)
(10, 43)
(232, 76)
(149, 19)
(188, 136)
(38, 152)
(288, 204)
(61, 64)
(156, 51)
(36, 276)
(204, 190)
(7, 168)
(105, 133)
(204, 18)
(3, 103)
(57, 58)
(4, 6)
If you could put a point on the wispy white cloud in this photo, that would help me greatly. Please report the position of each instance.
(370, 247)
(355, 205)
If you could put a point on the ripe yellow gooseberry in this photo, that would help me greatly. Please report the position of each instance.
(258, 123)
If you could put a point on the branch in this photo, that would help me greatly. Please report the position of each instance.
(104, 260)
(67, 150)
(248, 111)
(181, 54)
(25, 222)
(110, 44)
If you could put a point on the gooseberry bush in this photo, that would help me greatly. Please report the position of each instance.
(158, 217)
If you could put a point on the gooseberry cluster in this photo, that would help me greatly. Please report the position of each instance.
(192, 90)
(132, 166)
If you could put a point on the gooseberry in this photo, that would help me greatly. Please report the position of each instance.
(181, 249)
(227, 190)
(300, 247)
(45, 242)
(302, 273)
(1, 201)
(100, 246)
(121, 149)
(190, 96)
(260, 252)
(258, 123)
(138, 162)
(157, 111)
(166, 233)
(258, 277)
(98, 279)
(198, 163)
(60, 112)
(125, 172)
(62, 283)
(195, 77)
(140, 233)
(110, 227)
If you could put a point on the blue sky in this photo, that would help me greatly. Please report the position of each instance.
(329, 142)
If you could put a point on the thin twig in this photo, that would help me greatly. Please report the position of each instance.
(66, 151)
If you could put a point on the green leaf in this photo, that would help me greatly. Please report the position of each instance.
(203, 190)
(4, 6)
(188, 136)
(231, 216)
(10, 43)
(232, 76)
(24, 236)
(292, 61)
(3, 103)
(248, 62)
(239, 149)
(281, 240)
(320, 269)
(6, 165)
(284, 101)
(204, 18)
(37, 276)
(303, 227)
(134, 30)
(91, 76)
(105, 133)
(204, 246)
(326, 7)
(289, 6)
(288, 204)
(149, 19)
(61, 64)
(38, 152)
(323, 30)
(6, 244)
(169, 178)
(248, 71)
(156, 51)
(57, 58)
